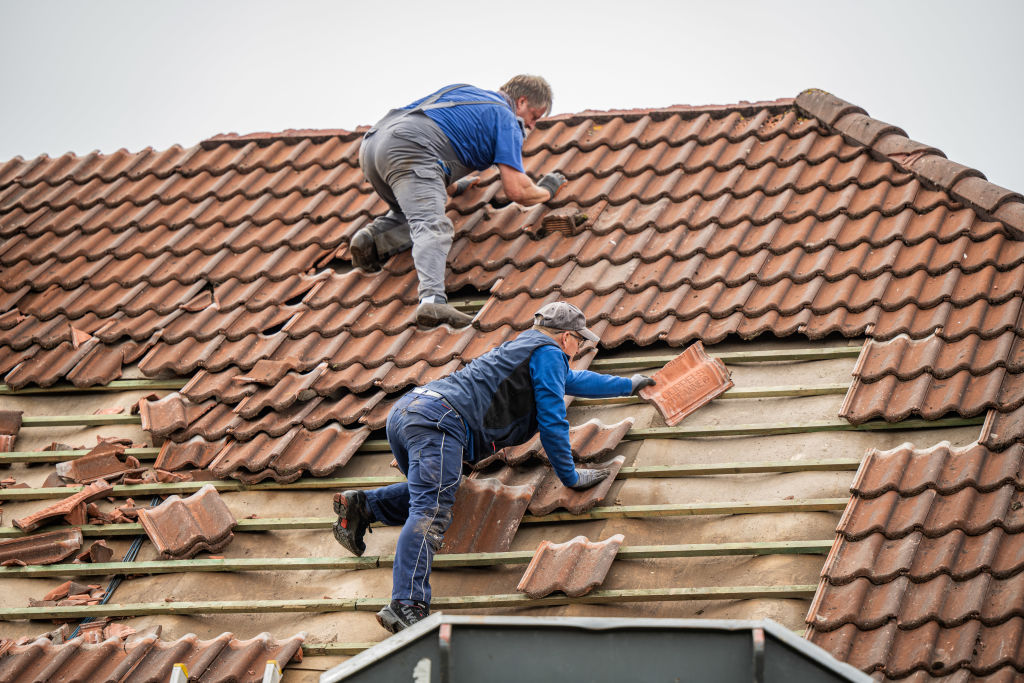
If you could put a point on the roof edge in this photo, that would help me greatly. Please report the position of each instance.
(929, 164)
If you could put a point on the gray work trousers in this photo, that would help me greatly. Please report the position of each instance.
(400, 158)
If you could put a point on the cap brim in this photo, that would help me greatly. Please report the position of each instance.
(590, 336)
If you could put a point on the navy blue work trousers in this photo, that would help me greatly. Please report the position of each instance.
(428, 439)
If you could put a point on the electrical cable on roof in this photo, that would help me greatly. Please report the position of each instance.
(133, 552)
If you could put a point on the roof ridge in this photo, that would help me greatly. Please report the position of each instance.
(743, 107)
(290, 136)
(967, 185)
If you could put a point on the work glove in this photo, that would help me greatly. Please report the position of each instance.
(639, 382)
(551, 182)
(588, 478)
(463, 184)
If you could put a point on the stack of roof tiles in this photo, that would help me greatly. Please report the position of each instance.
(926, 577)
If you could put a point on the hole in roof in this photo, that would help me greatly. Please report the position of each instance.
(296, 300)
(274, 329)
(338, 265)
(498, 203)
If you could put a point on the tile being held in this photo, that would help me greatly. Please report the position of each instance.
(690, 380)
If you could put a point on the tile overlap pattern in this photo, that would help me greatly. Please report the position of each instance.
(926, 575)
(224, 659)
(789, 217)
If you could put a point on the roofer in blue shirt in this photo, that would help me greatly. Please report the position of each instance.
(500, 399)
(414, 153)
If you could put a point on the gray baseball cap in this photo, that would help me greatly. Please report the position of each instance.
(561, 315)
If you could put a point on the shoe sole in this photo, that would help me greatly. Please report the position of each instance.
(390, 622)
(341, 534)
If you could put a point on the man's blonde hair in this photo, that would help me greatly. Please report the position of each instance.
(535, 89)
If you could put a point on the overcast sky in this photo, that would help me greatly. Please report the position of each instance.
(79, 76)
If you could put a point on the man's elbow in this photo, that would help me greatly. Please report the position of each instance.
(515, 193)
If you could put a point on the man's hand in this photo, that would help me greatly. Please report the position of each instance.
(639, 382)
(588, 478)
(551, 182)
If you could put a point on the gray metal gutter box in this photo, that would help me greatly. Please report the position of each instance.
(465, 649)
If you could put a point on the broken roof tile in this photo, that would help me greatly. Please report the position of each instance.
(687, 382)
(71, 509)
(222, 659)
(486, 516)
(102, 462)
(45, 548)
(574, 567)
(180, 528)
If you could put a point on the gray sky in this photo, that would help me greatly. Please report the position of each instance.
(78, 76)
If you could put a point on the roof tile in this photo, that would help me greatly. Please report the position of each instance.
(223, 659)
(181, 528)
(574, 567)
(589, 441)
(486, 516)
(687, 382)
(925, 572)
(71, 509)
(46, 548)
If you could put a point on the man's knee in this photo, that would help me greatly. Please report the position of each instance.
(433, 528)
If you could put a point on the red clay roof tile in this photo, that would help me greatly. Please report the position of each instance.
(687, 382)
(574, 567)
(926, 566)
(71, 509)
(180, 528)
(46, 548)
(223, 659)
(486, 516)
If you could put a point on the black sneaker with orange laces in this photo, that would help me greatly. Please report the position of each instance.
(353, 520)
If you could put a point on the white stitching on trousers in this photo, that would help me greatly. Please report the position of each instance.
(437, 508)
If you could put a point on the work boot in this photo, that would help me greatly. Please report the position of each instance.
(432, 315)
(398, 615)
(353, 520)
(363, 250)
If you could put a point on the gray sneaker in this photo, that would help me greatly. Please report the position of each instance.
(397, 615)
(432, 315)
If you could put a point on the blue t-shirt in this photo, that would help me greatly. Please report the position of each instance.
(482, 134)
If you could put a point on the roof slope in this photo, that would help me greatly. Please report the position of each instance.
(226, 264)
(926, 577)
(803, 217)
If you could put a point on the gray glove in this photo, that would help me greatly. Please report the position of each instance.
(551, 182)
(463, 184)
(639, 382)
(588, 478)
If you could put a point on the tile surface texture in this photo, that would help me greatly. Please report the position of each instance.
(800, 216)
(182, 527)
(687, 382)
(575, 567)
(224, 659)
(926, 575)
(486, 516)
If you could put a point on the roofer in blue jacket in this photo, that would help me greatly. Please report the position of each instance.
(414, 153)
(500, 399)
